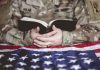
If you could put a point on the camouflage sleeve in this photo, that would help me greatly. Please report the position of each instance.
(15, 8)
(84, 31)
(9, 11)
(9, 34)
(4, 18)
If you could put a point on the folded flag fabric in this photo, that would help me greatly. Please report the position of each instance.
(77, 57)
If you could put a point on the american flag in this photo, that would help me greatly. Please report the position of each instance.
(76, 57)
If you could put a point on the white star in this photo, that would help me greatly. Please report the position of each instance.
(47, 69)
(11, 59)
(99, 58)
(19, 69)
(35, 60)
(47, 62)
(34, 66)
(36, 54)
(76, 67)
(73, 61)
(83, 54)
(61, 65)
(1, 55)
(23, 58)
(62, 69)
(48, 56)
(8, 66)
(22, 64)
(61, 59)
(88, 61)
(71, 56)
(15, 54)
(58, 54)
(84, 58)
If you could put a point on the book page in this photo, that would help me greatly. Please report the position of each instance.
(34, 20)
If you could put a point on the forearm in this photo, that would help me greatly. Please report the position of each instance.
(15, 37)
(28, 40)
(73, 37)
(85, 33)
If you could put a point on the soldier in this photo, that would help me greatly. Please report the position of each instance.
(48, 10)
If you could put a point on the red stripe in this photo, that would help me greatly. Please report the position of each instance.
(78, 46)
(98, 57)
(2, 47)
(87, 44)
(8, 47)
(97, 50)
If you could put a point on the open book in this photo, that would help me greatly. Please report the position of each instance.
(27, 23)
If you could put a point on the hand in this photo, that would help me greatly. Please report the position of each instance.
(35, 33)
(52, 38)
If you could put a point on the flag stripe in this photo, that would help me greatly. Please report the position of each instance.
(97, 50)
(88, 44)
(86, 57)
(95, 46)
(98, 55)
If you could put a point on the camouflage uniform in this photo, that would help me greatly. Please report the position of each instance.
(48, 10)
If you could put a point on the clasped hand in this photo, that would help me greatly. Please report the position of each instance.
(52, 38)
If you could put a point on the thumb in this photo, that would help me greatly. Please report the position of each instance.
(37, 29)
(54, 27)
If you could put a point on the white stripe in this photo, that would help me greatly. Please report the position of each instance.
(97, 54)
(94, 47)
(7, 50)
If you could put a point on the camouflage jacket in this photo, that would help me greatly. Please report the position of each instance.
(87, 28)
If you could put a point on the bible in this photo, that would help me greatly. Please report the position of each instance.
(27, 23)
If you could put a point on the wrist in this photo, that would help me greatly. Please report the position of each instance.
(66, 38)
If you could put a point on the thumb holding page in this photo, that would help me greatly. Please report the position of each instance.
(54, 28)
(37, 29)
(35, 33)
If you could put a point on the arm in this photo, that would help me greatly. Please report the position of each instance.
(4, 18)
(12, 10)
(8, 30)
(84, 30)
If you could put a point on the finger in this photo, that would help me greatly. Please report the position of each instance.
(49, 34)
(44, 39)
(33, 31)
(34, 34)
(42, 43)
(39, 45)
(37, 29)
